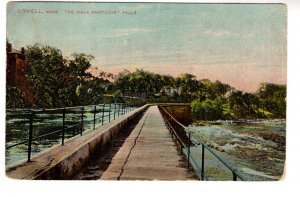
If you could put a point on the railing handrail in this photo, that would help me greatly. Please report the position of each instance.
(119, 109)
(187, 130)
(58, 108)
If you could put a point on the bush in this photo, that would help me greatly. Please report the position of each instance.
(207, 109)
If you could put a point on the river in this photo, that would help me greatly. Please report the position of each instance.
(17, 128)
(255, 148)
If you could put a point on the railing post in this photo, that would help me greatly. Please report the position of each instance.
(109, 113)
(169, 127)
(30, 135)
(123, 108)
(202, 163)
(189, 150)
(234, 176)
(118, 110)
(103, 113)
(121, 111)
(63, 127)
(114, 111)
(81, 130)
(95, 116)
(180, 147)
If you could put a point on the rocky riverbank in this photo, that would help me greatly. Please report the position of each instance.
(258, 145)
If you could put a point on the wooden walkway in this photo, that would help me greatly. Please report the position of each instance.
(149, 153)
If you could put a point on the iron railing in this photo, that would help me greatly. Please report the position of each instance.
(99, 113)
(185, 139)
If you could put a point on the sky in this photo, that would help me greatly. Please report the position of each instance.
(239, 44)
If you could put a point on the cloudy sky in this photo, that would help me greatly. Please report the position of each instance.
(239, 44)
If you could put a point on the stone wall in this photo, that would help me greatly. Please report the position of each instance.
(181, 112)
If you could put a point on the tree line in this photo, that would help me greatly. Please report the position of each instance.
(209, 100)
(269, 101)
(59, 81)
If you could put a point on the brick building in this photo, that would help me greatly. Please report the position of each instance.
(16, 72)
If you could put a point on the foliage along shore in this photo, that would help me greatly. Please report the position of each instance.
(59, 81)
(236, 122)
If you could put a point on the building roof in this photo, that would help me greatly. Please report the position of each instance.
(15, 51)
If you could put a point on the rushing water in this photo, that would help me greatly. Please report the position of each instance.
(17, 129)
(255, 148)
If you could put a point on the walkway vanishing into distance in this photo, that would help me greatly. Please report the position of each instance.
(136, 146)
(148, 153)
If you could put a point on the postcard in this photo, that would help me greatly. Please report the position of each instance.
(146, 91)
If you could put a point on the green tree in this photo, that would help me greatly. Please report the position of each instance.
(207, 109)
(122, 81)
(157, 82)
(220, 89)
(212, 90)
(118, 97)
(139, 82)
(91, 91)
(57, 81)
(273, 99)
(15, 98)
(79, 66)
(244, 105)
(168, 82)
(47, 74)
(188, 85)
(237, 105)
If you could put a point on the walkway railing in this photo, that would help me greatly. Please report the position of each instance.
(186, 140)
(59, 123)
